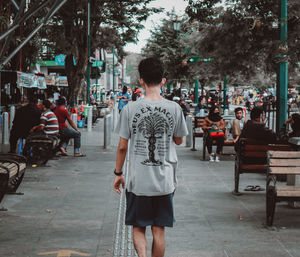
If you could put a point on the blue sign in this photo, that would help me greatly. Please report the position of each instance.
(60, 59)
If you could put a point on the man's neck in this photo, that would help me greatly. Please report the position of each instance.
(153, 93)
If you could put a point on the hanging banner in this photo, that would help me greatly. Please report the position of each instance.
(61, 81)
(50, 80)
(29, 80)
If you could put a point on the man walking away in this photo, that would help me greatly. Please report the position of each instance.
(154, 126)
(25, 119)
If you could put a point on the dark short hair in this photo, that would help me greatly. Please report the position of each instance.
(33, 99)
(151, 71)
(256, 112)
(47, 104)
(238, 109)
(61, 101)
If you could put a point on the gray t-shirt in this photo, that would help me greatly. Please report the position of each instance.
(151, 126)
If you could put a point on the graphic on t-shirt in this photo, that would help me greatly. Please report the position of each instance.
(153, 124)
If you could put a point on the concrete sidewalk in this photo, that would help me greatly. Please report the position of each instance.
(70, 206)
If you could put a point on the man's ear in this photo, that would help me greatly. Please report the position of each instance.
(163, 81)
(141, 82)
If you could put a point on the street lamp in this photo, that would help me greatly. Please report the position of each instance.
(177, 25)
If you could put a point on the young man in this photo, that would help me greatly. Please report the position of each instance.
(153, 125)
(256, 129)
(235, 126)
(66, 133)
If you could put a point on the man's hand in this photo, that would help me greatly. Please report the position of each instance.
(119, 180)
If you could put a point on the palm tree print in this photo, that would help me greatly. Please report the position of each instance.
(153, 126)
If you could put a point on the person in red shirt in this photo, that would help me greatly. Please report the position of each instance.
(66, 133)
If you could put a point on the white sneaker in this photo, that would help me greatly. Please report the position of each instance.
(211, 158)
(217, 159)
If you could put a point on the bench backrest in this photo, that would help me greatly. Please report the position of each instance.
(255, 151)
(198, 122)
(282, 162)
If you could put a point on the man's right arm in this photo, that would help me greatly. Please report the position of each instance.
(178, 140)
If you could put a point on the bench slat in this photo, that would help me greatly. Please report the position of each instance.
(265, 148)
(255, 154)
(253, 166)
(284, 154)
(284, 162)
(288, 191)
(285, 170)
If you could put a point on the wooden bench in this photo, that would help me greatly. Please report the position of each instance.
(197, 129)
(281, 163)
(251, 157)
(12, 170)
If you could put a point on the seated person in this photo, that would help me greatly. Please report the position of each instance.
(48, 123)
(214, 123)
(235, 126)
(256, 129)
(294, 122)
(25, 119)
(66, 133)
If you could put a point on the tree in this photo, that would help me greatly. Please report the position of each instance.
(166, 44)
(243, 37)
(30, 51)
(113, 24)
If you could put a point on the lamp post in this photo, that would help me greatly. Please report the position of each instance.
(282, 72)
(113, 56)
(177, 25)
(89, 54)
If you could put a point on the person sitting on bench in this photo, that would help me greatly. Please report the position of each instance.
(49, 124)
(256, 129)
(67, 133)
(25, 119)
(294, 122)
(235, 126)
(214, 125)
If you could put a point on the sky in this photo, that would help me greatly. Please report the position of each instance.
(155, 19)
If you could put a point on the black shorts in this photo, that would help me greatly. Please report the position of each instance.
(142, 211)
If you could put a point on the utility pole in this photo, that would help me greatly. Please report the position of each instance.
(282, 73)
(89, 54)
(113, 55)
(225, 103)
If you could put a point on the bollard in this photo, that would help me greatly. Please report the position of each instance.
(90, 118)
(12, 115)
(115, 117)
(107, 131)
(189, 137)
(5, 129)
(74, 118)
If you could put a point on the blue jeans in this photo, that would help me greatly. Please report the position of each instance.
(68, 133)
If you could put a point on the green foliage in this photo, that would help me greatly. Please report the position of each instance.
(113, 24)
(242, 37)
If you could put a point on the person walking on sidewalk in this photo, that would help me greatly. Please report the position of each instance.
(66, 133)
(154, 126)
(124, 98)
